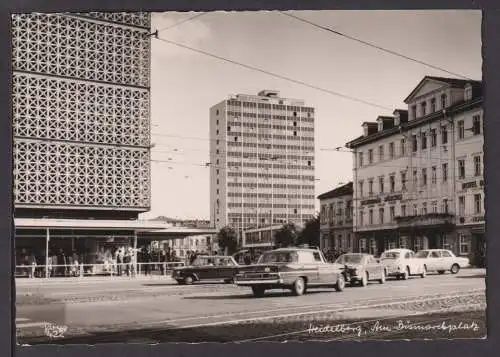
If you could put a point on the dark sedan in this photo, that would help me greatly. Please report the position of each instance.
(207, 267)
(361, 268)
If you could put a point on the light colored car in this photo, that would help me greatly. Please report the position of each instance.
(402, 263)
(441, 260)
(362, 268)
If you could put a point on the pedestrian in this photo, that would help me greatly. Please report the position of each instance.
(148, 260)
(32, 265)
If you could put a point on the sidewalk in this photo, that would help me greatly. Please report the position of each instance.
(92, 279)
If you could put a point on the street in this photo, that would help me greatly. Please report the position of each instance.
(119, 310)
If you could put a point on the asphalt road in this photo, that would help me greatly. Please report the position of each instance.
(118, 310)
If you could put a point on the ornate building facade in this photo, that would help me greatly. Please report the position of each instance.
(81, 116)
(418, 177)
(336, 219)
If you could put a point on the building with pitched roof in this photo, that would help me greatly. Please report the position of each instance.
(418, 176)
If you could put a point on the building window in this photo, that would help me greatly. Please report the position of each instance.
(217, 122)
(370, 187)
(392, 183)
(461, 206)
(433, 138)
(444, 100)
(361, 184)
(423, 138)
(445, 172)
(445, 206)
(370, 156)
(477, 204)
(228, 128)
(217, 171)
(381, 215)
(463, 242)
(361, 218)
(403, 147)
(217, 112)
(294, 114)
(309, 163)
(381, 153)
(294, 133)
(217, 142)
(391, 151)
(370, 217)
(424, 177)
(403, 242)
(433, 105)
(235, 138)
(414, 143)
(476, 125)
(360, 159)
(392, 213)
(444, 135)
(217, 151)
(461, 169)
(477, 166)
(403, 181)
(415, 210)
(403, 210)
(414, 112)
(461, 129)
(434, 175)
(217, 191)
(423, 107)
(415, 177)
(381, 184)
(217, 181)
(294, 123)
(434, 207)
(424, 208)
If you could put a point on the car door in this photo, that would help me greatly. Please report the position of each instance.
(309, 267)
(373, 267)
(433, 260)
(447, 260)
(226, 269)
(325, 270)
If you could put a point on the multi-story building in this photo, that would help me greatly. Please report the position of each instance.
(81, 119)
(262, 161)
(418, 174)
(336, 219)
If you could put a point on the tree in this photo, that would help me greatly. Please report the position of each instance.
(286, 236)
(227, 239)
(310, 233)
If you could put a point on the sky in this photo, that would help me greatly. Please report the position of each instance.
(185, 83)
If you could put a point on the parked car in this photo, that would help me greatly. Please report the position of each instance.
(296, 269)
(402, 263)
(362, 268)
(441, 260)
(207, 267)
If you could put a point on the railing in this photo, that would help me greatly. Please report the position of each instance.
(83, 270)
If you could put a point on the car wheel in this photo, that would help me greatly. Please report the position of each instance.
(454, 269)
(406, 274)
(340, 284)
(180, 281)
(299, 287)
(188, 280)
(440, 271)
(382, 278)
(424, 272)
(258, 291)
(364, 280)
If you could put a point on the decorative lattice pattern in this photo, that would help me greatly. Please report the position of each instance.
(141, 19)
(54, 108)
(73, 47)
(58, 173)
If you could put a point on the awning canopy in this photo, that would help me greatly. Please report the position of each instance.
(88, 224)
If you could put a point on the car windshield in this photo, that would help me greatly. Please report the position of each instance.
(390, 255)
(349, 259)
(279, 257)
(204, 261)
(422, 254)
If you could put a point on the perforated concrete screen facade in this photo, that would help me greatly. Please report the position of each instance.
(81, 110)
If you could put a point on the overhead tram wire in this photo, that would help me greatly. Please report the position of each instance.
(366, 43)
(275, 75)
(181, 22)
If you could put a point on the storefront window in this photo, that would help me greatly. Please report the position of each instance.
(464, 244)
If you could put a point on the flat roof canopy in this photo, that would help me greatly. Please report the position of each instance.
(146, 229)
(86, 224)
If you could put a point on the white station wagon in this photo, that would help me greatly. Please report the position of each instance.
(441, 260)
(402, 263)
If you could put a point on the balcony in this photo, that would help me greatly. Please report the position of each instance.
(427, 220)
